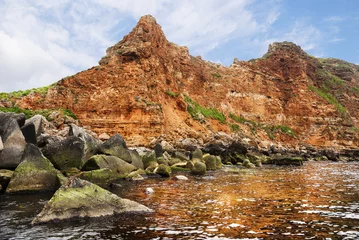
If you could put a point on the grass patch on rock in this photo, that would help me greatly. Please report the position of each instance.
(44, 112)
(197, 111)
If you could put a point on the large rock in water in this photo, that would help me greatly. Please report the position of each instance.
(288, 160)
(116, 146)
(115, 164)
(65, 154)
(13, 141)
(79, 198)
(34, 174)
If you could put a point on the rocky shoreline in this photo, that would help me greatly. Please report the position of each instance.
(59, 156)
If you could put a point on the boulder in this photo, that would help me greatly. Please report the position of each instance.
(199, 168)
(20, 118)
(104, 136)
(80, 198)
(118, 166)
(167, 147)
(34, 174)
(99, 176)
(288, 160)
(158, 150)
(136, 159)
(136, 175)
(149, 159)
(248, 164)
(211, 162)
(1, 144)
(91, 143)
(67, 153)
(28, 130)
(197, 154)
(5, 176)
(331, 154)
(13, 142)
(181, 156)
(37, 121)
(218, 162)
(163, 170)
(116, 146)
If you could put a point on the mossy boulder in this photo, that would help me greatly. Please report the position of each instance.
(149, 159)
(218, 162)
(99, 176)
(116, 146)
(197, 154)
(34, 174)
(80, 198)
(67, 153)
(174, 161)
(136, 175)
(13, 141)
(181, 156)
(199, 168)
(288, 160)
(163, 170)
(162, 160)
(118, 166)
(211, 162)
(5, 176)
(246, 163)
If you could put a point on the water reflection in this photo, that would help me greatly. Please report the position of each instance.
(318, 200)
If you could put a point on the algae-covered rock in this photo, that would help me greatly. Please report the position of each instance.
(118, 166)
(67, 153)
(149, 159)
(116, 146)
(163, 170)
(136, 175)
(218, 162)
(162, 160)
(181, 156)
(98, 176)
(80, 198)
(13, 141)
(174, 161)
(288, 160)
(248, 164)
(211, 162)
(199, 168)
(34, 174)
(197, 154)
(5, 176)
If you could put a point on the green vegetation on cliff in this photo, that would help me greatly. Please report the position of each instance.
(23, 93)
(44, 112)
(196, 110)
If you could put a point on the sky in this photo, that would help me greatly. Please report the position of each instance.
(43, 41)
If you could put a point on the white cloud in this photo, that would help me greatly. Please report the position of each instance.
(334, 19)
(44, 41)
(336, 39)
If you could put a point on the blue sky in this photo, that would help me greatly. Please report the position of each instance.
(44, 41)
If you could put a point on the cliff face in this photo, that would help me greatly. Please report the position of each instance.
(148, 88)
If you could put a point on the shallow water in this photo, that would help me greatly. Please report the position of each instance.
(319, 200)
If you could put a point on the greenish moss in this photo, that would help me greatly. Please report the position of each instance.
(329, 98)
(23, 93)
(271, 130)
(171, 94)
(194, 109)
(44, 112)
(216, 75)
(235, 127)
(354, 129)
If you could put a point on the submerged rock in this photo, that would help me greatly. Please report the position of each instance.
(181, 177)
(149, 190)
(80, 198)
(34, 174)
(199, 168)
(288, 160)
(118, 166)
(163, 170)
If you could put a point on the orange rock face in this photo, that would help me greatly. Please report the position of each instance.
(142, 86)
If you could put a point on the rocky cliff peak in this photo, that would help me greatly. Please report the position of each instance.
(144, 40)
